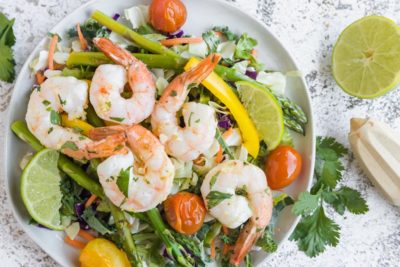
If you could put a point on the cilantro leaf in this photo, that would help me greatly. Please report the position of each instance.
(315, 232)
(244, 47)
(216, 197)
(328, 167)
(266, 242)
(306, 204)
(71, 145)
(89, 215)
(55, 117)
(7, 63)
(346, 198)
(123, 180)
(212, 41)
(5, 24)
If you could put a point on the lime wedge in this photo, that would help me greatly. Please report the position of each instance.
(265, 112)
(366, 57)
(40, 189)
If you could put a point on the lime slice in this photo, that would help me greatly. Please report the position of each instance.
(40, 189)
(366, 57)
(265, 112)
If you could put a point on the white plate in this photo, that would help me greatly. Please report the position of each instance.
(201, 16)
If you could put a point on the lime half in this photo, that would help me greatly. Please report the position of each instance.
(366, 57)
(40, 189)
(265, 112)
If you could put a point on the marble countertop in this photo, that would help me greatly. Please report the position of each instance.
(308, 28)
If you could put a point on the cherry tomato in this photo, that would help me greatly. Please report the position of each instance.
(185, 212)
(104, 253)
(167, 15)
(282, 167)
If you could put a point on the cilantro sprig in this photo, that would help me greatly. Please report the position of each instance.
(316, 230)
(7, 40)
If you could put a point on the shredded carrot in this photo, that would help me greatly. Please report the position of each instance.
(225, 230)
(226, 248)
(85, 235)
(74, 243)
(253, 52)
(82, 39)
(219, 34)
(52, 50)
(40, 77)
(228, 133)
(219, 156)
(177, 41)
(212, 252)
(90, 200)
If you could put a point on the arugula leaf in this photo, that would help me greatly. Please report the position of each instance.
(89, 215)
(266, 242)
(123, 180)
(244, 47)
(315, 232)
(71, 194)
(216, 197)
(328, 167)
(212, 41)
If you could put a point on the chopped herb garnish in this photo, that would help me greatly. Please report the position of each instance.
(123, 180)
(197, 121)
(241, 191)
(108, 104)
(117, 119)
(173, 93)
(62, 102)
(119, 147)
(190, 118)
(46, 102)
(76, 129)
(70, 145)
(50, 130)
(216, 197)
(213, 179)
(55, 117)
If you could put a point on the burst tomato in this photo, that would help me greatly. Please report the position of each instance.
(282, 166)
(185, 212)
(167, 15)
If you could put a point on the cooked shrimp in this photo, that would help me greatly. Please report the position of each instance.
(185, 143)
(65, 94)
(234, 192)
(108, 83)
(151, 172)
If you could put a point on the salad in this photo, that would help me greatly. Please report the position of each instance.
(156, 147)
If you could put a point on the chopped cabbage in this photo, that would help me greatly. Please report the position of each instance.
(61, 57)
(155, 37)
(39, 63)
(137, 15)
(72, 230)
(161, 84)
(227, 49)
(119, 40)
(76, 46)
(199, 49)
(241, 66)
(52, 73)
(275, 80)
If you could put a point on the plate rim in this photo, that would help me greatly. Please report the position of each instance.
(9, 133)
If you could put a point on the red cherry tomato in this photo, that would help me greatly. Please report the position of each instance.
(185, 212)
(167, 15)
(282, 166)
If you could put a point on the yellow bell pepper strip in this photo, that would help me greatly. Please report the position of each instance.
(218, 87)
(80, 125)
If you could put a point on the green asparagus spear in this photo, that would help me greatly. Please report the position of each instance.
(81, 178)
(173, 248)
(127, 33)
(212, 233)
(92, 117)
(152, 61)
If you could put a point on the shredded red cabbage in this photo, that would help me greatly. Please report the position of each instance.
(177, 34)
(116, 16)
(79, 208)
(252, 74)
(224, 121)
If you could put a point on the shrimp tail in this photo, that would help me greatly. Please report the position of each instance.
(247, 238)
(117, 54)
(103, 132)
(202, 70)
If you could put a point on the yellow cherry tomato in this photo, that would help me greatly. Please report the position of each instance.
(101, 252)
(218, 87)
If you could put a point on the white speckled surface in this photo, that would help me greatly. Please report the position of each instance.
(308, 28)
